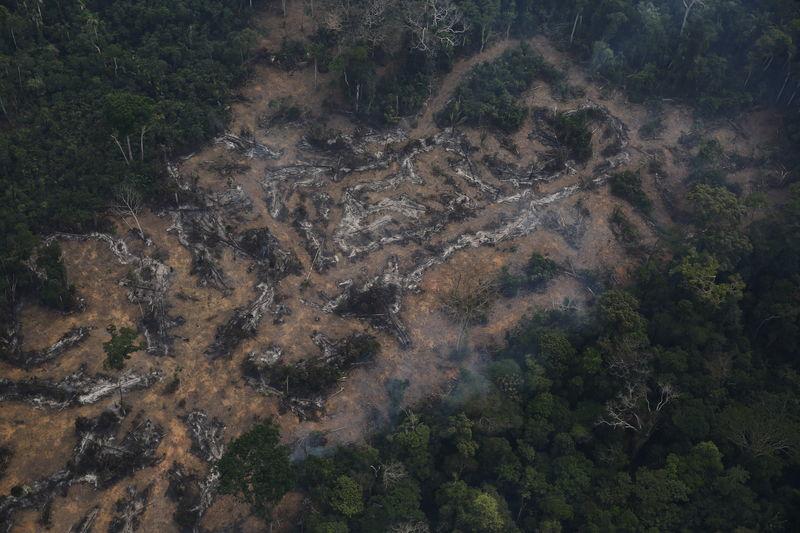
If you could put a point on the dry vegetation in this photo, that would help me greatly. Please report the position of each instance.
(412, 218)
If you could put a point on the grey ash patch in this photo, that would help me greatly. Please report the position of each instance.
(242, 324)
(75, 389)
(100, 458)
(129, 509)
(13, 354)
(206, 434)
(304, 386)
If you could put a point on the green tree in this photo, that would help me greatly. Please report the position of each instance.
(345, 497)
(256, 468)
(466, 509)
(120, 347)
(410, 442)
(482, 15)
(699, 274)
(628, 186)
(719, 215)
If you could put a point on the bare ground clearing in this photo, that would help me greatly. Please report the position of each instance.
(427, 212)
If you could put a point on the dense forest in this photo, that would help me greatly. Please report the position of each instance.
(719, 55)
(672, 405)
(96, 97)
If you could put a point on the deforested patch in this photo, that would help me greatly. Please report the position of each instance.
(100, 458)
(148, 281)
(242, 324)
(206, 434)
(246, 145)
(271, 262)
(129, 509)
(14, 355)
(377, 302)
(304, 386)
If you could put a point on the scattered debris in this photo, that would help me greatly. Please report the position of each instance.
(304, 386)
(29, 359)
(200, 231)
(206, 434)
(246, 144)
(85, 524)
(129, 510)
(234, 203)
(243, 324)
(77, 388)
(147, 282)
(377, 301)
(570, 223)
(98, 458)
(103, 459)
(321, 256)
(271, 262)
(192, 495)
(6, 454)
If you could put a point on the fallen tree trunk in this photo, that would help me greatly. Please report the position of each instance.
(75, 389)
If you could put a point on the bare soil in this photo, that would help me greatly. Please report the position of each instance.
(42, 440)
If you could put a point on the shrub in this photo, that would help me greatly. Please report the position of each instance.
(624, 230)
(706, 166)
(54, 289)
(292, 54)
(120, 347)
(628, 186)
(540, 269)
(490, 95)
(572, 131)
(282, 111)
(537, 272)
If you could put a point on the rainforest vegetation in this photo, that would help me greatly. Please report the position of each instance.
(671, 405)
(96, 96)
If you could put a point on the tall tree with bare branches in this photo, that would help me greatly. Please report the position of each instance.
(467, 299)
(434, 24)
(128, 205)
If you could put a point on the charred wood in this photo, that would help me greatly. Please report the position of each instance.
(75, 389)
(304, 386)
(29, 359)
(128, 510)
(242, 324)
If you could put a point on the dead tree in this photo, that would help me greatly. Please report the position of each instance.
(392, 473)
(410, 527)
(638, 408)
(121, 149)
(434, 24)
(129, 204)
(374, 18)
(574, 27)
(766, 428)
(468, 298)
(141, 141)
(688, 5)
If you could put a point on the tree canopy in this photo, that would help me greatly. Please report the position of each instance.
(256, 468)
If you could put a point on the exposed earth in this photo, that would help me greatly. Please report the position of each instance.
(277, 232)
